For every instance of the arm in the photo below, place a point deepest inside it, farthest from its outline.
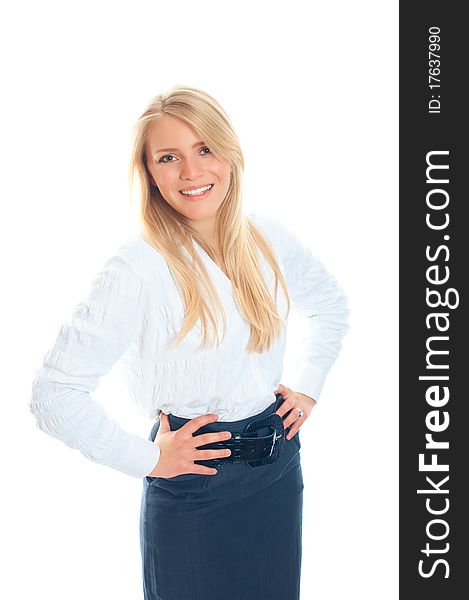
(88, 344)
(317, 296)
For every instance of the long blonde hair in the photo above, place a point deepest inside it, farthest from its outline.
(240, 241)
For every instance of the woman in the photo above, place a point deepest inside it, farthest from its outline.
(221, 511)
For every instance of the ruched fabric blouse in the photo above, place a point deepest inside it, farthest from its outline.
(134, 308)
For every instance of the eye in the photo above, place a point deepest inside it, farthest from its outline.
(162, 159)
(206, 148)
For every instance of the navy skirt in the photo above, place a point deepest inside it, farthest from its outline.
(235, 535)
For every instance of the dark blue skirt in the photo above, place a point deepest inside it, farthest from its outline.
(235, 535)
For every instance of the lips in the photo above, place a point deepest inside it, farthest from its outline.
(195, 187)
(204, 189)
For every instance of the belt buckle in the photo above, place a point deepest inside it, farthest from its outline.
(275, 423)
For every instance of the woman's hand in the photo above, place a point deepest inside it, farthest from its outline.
(178, 449)
(294, 400)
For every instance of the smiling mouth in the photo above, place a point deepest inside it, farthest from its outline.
(200, 191)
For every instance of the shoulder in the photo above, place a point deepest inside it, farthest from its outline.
(268, 225)
(281, 237)
(135, 255)
(264, 221)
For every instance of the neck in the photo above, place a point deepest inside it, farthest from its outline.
(207, 231)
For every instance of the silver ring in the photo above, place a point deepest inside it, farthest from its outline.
(300, 412)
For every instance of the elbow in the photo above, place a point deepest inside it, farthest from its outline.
(341, 309)
(50, 404)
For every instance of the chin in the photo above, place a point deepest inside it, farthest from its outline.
(198, 212)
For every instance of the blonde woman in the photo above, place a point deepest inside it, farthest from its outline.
(194, 309)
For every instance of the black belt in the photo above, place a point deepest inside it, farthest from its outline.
(249, 446)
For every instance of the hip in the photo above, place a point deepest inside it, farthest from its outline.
(232, 480)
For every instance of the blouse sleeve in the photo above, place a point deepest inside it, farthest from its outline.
(88, 344)
(320, 300)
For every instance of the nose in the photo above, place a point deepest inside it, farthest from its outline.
(191, 169)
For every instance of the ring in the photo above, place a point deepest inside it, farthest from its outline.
(300, 411)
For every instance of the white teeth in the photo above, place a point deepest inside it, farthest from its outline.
(197, 192)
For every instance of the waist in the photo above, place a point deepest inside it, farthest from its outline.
(234, 426)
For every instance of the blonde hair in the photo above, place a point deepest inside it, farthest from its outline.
(240, 241)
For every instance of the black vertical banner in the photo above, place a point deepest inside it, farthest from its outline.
(434, 268)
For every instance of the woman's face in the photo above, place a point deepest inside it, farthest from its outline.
(179, 161)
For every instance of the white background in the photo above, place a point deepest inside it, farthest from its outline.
(311, 88)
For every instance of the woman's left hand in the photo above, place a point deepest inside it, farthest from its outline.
(294, 400)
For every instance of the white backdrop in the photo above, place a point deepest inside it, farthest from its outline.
(311, 88)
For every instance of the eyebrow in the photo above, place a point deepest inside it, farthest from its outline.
(176, 149)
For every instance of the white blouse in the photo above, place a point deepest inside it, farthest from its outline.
(133, 310)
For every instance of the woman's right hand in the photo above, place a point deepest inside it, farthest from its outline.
(178, 449)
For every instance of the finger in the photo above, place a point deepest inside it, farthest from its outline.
(282, 389)
(202, 470)
(164, 423)
(286, 406)
(292, 418)
(210, 454)
(197, 422)
(211, 438)
(292, 432)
